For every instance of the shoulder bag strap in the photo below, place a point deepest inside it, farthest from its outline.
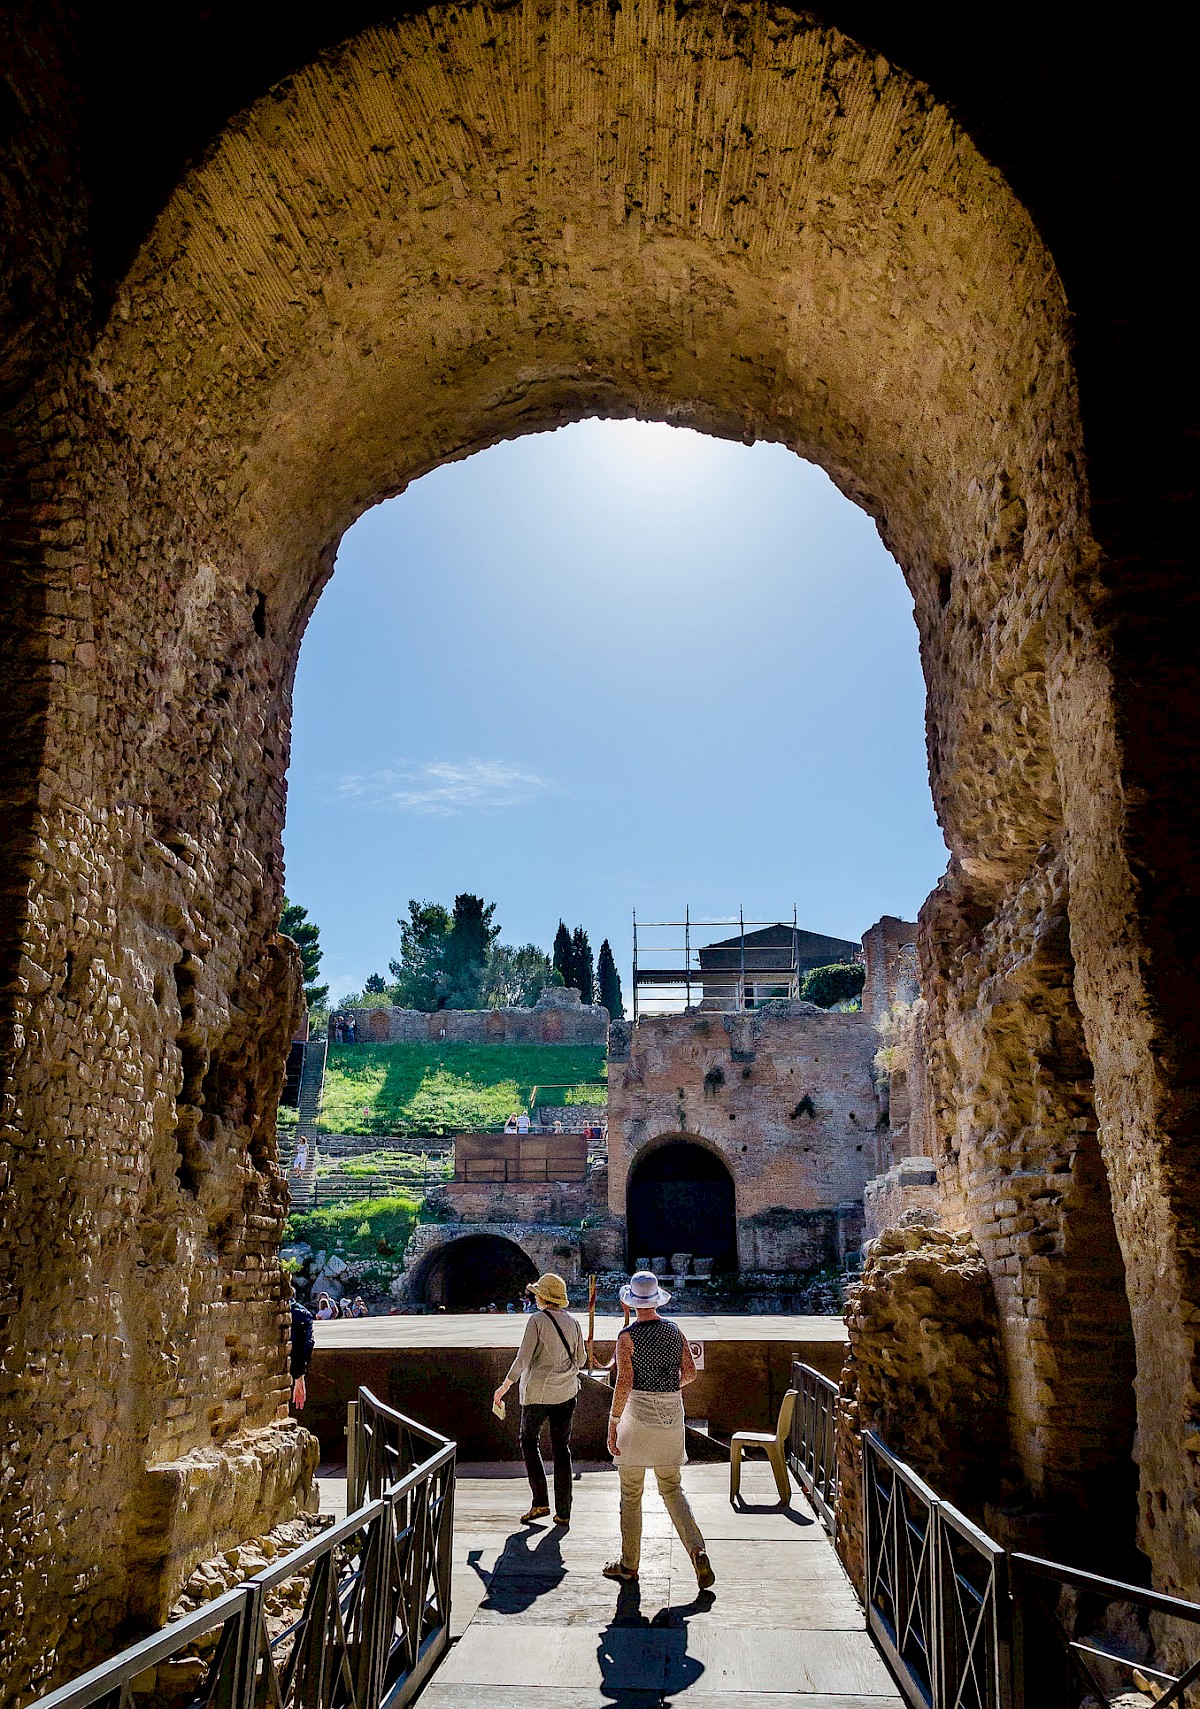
(558, 1331)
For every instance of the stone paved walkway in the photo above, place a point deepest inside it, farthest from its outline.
(537, 1627)
(505, 1329)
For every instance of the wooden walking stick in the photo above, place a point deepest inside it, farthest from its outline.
(591, 1335)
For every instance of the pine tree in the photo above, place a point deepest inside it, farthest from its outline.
(563, 955)
(609, 981)
(294, 923)
(418, 973)
(581, 956)
(468, 946)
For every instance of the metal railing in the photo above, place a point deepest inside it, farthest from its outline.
(812, 1451)
(965, 1625)
(1099, 1652)
(373, 1594)
(937, 1590)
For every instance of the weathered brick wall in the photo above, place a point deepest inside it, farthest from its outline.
(557, 1202)
(354, 286)
(909, 1185)
(890, 958)
(1019, 1164)
(783, 1095)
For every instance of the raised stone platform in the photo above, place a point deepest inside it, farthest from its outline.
(444, 1369)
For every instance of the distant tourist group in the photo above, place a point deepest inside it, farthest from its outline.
(646, 1421)
(343, 1029)
(327, 1308)
(520, 1123)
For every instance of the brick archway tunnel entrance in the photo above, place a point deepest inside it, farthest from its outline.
(453, 228)
(473, 1272)
(681, 1199)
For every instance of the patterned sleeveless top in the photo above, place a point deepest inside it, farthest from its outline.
(657, 1349)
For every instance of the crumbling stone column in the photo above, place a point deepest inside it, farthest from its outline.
(1127, 711)
(1020, 1164)
(924, 1370)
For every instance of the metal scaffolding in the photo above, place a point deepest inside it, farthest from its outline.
(753, 967)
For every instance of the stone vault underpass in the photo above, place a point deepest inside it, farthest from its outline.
(264, 273)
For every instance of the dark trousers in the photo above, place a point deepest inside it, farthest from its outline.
(532, 1419)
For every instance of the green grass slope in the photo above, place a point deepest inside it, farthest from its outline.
(437, 1089)
(364, 1228)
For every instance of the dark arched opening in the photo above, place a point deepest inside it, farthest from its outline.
(681, 1200)
(478, 1270)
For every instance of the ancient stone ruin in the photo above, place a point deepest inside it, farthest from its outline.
(558, 1017)
(260, 278)
(769, 1111)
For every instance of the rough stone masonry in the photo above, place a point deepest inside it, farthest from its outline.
(260, 278)
(783, 1095)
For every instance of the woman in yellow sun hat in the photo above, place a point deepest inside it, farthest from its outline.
(547, 1368)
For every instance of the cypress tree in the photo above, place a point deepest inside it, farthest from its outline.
(581, 956)
(563, 956)
(609, 981)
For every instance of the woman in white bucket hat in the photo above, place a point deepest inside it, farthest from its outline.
(645, 1425)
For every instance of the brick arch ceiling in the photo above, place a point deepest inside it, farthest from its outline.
(479, 223)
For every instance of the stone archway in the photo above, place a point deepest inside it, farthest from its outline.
(472, 1271)
(681, 1198)
(463, 226)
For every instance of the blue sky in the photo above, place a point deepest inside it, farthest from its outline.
(618, 666)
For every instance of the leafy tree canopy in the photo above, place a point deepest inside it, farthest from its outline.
(609, 981)
(516, 978)
(294, 923)
(453, 960)
(443, 955)
(840, 982)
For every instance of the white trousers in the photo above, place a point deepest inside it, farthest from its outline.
(670, 1487)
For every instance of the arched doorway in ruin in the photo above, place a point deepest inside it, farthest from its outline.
(681, 1199)
(463, 226)
(474, 1271)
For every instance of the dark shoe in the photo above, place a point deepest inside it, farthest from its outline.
(563, 1524)
(618, 1570)
(704, 1573)
(534, 1513)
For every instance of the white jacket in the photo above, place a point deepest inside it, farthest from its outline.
(548, 1374)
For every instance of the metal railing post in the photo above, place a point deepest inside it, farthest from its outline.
(353, 1455)
(251, 1640)
(1017, 1644)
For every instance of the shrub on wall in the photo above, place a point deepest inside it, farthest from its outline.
(358, 1227)
(840, 982)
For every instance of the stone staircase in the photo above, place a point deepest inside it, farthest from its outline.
(312, 1086)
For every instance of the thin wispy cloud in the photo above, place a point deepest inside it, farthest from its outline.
(446, 787)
